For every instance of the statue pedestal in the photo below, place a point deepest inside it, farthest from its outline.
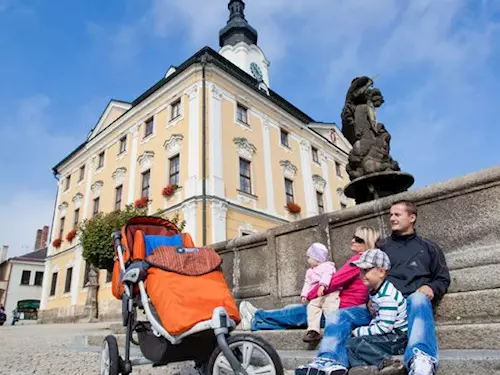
(378, 185)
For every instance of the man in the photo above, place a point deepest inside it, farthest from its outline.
(420, 272)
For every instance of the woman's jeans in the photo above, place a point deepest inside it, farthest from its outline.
(421, 330)
(289, 317)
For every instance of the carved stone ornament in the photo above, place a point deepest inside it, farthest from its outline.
(289, 170)
(220, 210)
(266, 122)
(145, 160)
(62, 208)
(77, 200)
(319, 183)
(342, 196)
(119, 176)
(216, 92)
(192, 92)
(55, 268)
(305, 146)
(173, 144)
(96, 188)
(244, 148)
(244, 198)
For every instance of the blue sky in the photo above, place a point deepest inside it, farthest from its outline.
(438, 65)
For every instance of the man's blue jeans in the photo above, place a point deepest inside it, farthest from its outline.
(288, 317)
(421, 330)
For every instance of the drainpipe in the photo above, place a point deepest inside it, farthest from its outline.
(204, 59)
(56, 176)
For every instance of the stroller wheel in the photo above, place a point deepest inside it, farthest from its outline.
(110, 358)
(255, 355)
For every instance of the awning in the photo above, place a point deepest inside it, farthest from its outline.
(28, 304)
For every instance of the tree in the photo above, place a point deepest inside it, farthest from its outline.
(95, 233)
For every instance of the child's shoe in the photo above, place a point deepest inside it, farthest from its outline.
(311, 336)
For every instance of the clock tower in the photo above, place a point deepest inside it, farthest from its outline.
(238, 42)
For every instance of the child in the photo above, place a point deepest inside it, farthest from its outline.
(373, 345)
(320, 272)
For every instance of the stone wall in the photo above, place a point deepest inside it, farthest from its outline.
(462, 215)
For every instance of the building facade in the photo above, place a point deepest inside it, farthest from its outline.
(238, 152)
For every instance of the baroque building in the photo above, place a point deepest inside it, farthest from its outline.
(237, 150)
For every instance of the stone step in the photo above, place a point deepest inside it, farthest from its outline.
(452, 362)
(465, 336)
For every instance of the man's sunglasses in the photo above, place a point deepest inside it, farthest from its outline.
(358, 239)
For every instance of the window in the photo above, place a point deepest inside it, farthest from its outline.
(241, 114)
(338, 169)
(76, 218)
(25, 278)
(145, 183)
(174, 170)
(284, 138)
(319, 199)
(109, 276)
(148, 128)
(314, 152)
(245, 182)
(118, 197)
(38, 278)
(95, 210)
(86, 274)
(123, 145)
(289, 190)
(343, 205)
(67, 283)
(82, 173)
(61, 227)
(101, 160)
(175, 109)
(68, 182)
(53, 284)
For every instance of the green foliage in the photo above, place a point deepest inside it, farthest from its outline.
(95, 233)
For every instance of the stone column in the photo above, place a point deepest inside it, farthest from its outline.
(134, 131)
(193, 143)
(219, 221)
(271, 209)
(310, 194)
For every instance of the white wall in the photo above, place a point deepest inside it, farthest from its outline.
(16, 291)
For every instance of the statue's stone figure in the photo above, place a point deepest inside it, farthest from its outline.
(91, 308)
(371, 141)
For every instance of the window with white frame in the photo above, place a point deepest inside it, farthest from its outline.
(82, 173)
(61, 227)
(67, 282)
(67, 183)
(101, 160)
(175, 109)
(76, 218)
(25, 277)
(148, 128)
(146, 177)
(118, 197)
(284, 138)
(53, 284)
(38, 278)
(174, 170)
(319, 200)
(289, 191)
(314, 152)
(242, 114)
(338, 169)
(95, 209)
(123, 145)
(245, 176)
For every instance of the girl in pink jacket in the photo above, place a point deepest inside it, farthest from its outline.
(319, 274)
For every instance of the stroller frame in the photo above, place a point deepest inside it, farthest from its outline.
(134, 276)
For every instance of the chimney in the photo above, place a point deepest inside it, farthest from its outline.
(3, 254)
(45, 237)
(38, 239)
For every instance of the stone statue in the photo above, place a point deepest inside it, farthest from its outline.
(371, 141)
(90, 309)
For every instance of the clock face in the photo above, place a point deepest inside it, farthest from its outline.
(256, 72)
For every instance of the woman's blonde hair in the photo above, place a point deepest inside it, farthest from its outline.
(369, 234)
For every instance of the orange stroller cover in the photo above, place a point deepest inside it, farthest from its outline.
(186, 285)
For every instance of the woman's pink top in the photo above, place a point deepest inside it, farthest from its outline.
(347, 280)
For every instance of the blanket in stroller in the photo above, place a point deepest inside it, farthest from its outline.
(185, 285)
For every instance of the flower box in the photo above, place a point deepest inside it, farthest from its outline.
(169, 190)
(141, 202)
(293, 208)
(57, 243)
(71, 235)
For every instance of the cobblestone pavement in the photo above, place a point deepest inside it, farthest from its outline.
(50, 349)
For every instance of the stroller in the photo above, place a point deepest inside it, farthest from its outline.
(189, 308)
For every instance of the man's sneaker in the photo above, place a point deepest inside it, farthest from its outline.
(364, 370)
(247, 312)
(321, 366)
(422, 363)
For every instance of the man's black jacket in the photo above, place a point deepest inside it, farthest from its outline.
(416, 262)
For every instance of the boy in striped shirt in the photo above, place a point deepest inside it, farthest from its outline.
(372, 346)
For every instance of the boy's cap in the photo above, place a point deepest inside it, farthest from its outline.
(373, 258)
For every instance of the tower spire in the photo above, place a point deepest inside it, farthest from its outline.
(237, 28)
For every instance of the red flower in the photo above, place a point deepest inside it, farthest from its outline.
(71, 235)
(169, 190)
(57, 243)
(293, 208)
(141, 202)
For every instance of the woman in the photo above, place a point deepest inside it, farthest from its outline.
(346, 280)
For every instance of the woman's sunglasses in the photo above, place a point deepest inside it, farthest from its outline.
(358, 239)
